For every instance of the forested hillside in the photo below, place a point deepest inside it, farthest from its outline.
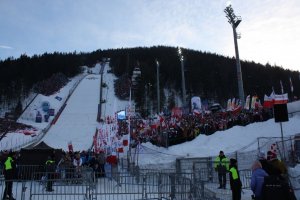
(210, 76)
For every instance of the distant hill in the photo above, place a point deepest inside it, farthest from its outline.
(212, 77)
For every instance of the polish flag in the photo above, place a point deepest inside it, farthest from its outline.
(268, 101)
(280, 98)
(196, 112)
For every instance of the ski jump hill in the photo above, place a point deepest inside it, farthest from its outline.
(78, 118)
(77, 124)
(75, 118)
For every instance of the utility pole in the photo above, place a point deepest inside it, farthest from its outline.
(157, 88)
(182, 77)
(235, 21)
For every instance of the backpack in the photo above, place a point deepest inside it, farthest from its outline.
(275, 187)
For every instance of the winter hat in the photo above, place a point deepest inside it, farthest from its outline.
(261, 155)
(233, 161)
(221, 152)
(271, 155)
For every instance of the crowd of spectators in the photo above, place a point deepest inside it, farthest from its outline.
(171, 130)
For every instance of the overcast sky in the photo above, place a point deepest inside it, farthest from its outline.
(270, 30)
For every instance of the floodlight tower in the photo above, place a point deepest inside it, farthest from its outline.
(182, 77)
(235, 21)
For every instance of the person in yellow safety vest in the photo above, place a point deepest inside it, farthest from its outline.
(221, 166)
(235, 181)
(9, 170)
(50, 170)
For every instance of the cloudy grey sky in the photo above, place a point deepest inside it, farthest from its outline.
(270, 29)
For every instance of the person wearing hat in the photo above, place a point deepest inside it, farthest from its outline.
(266, 165)
(235, 182)
(279, 167)
(9, 170)
(221, 166)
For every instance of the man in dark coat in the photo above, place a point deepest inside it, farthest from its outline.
(266, 165)
(50, 170)
(235, 181)
(9, 170)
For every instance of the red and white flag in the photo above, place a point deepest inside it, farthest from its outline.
(280, 98)
(196, 112)
(268, 101)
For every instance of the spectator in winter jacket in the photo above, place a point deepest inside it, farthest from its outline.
(266, 165)
(277, 164)
(257, 179)
(77, 163)
(65, 166)
(221, 166)
(235, 182)
(50, 169)
(9, 171)
(113, 161)
(102, 161)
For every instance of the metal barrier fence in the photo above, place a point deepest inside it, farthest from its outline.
(115, 185)
(192, 178)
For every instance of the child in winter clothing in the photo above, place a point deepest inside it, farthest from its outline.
(257, 179)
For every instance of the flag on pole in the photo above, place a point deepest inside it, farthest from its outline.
(228, 105)
(253, 100)
(129, 117)
(247, 104)
(232, 103)
(280, 98)
(268, 101)
(281, 86)
(291, 84)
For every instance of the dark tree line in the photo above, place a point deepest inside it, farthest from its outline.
(210, 76)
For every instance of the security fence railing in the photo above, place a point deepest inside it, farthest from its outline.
(114, 185)
(190, 178)
(200, 183)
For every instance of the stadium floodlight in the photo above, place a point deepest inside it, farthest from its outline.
(182, 77)
(228, 3)
(235, 21)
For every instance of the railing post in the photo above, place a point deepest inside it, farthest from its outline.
(173, 187)
(144, 188)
